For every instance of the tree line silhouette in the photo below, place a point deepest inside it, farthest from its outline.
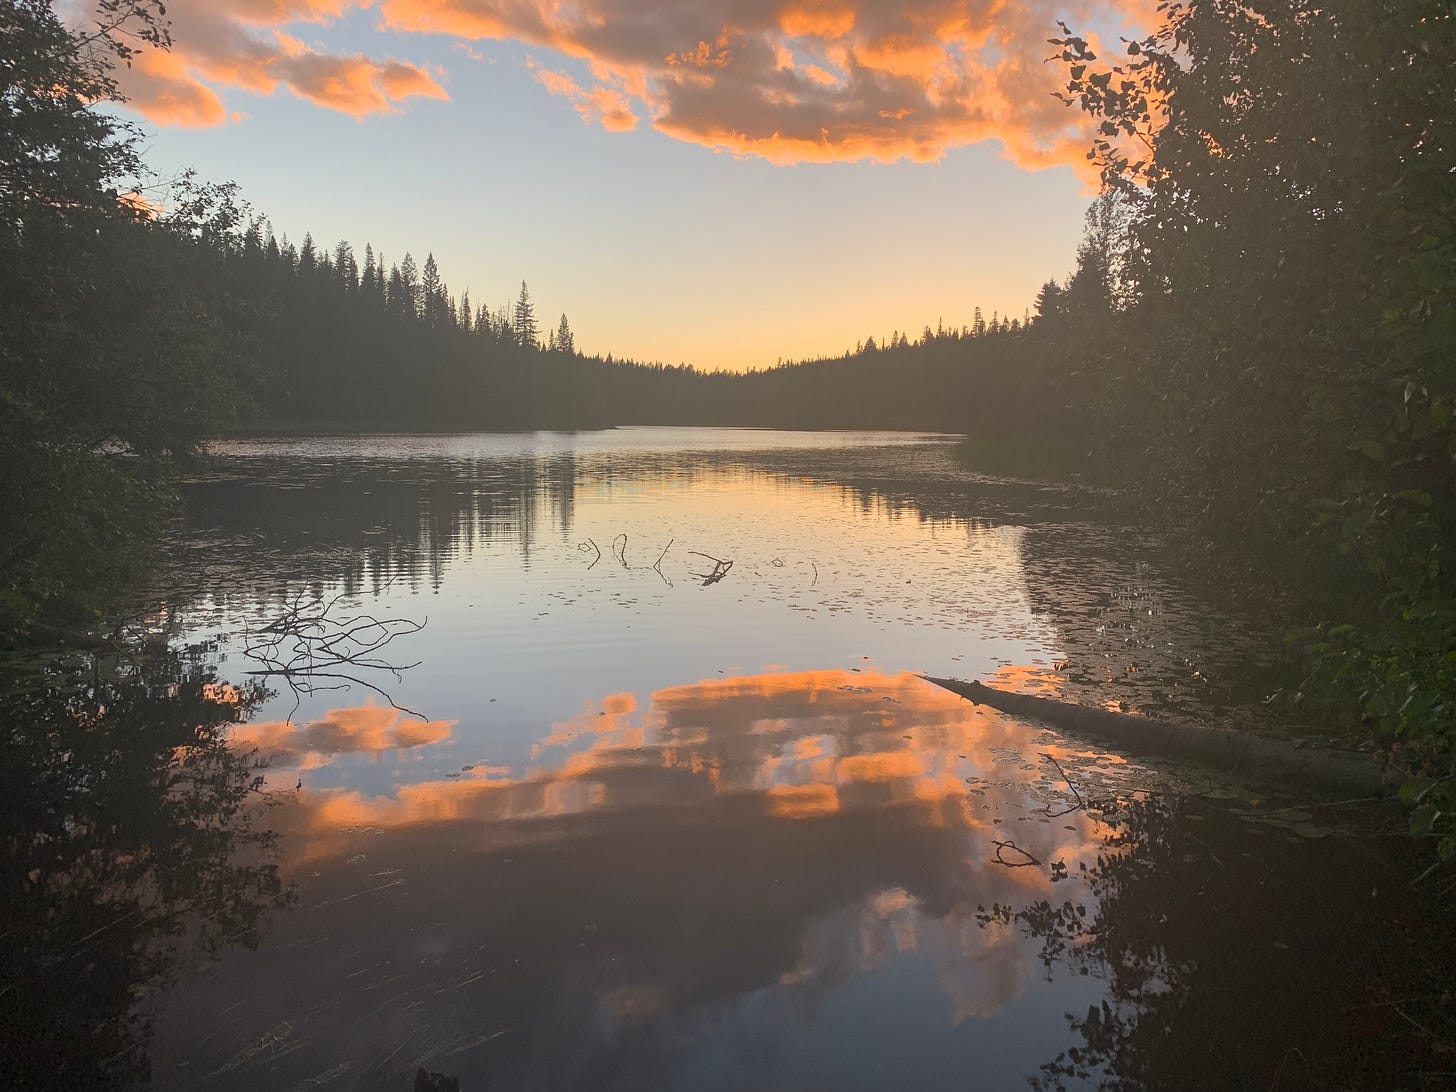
(317, 337)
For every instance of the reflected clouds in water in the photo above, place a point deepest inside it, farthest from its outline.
(732, 860)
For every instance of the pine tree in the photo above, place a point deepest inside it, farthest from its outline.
(523, 321)
(346, 269)
(432, 293)
(370, 271)
(253, 239)
(409, 279)
(565, 339)
(307, 256)
(1051, 300)
(394, 292)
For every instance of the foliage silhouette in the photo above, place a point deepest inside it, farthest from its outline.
(1218, 975)
(133, 845)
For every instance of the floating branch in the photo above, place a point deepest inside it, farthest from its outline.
(816, 574)
(306, 644)
(620, 554)
(590, 545)
(1014, 848)
(1080, 802)
(720, 568)
(657, 565)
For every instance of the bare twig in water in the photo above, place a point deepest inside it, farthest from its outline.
(657, 565)
(306, 644)
(582, 546)
(620, 554)
(1080, 802)
(816, 574)
(1000, 846)
(1279, 1073)
(1433, 866)
(720, 568)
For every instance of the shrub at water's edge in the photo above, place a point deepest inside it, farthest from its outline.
(1275, 376)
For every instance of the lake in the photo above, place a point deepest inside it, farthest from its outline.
(627, 779)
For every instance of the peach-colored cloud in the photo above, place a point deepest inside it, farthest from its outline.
(605, 105)
(242, 44)
(363, 728)
(792, 81)
(816, 19)
(808, 80)
(821, 75)
(160, 85)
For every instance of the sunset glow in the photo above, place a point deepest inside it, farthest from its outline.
(590, 130)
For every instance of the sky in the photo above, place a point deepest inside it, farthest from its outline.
(725, 183)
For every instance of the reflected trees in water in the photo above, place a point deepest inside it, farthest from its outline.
(1220, 975)
(134, 844)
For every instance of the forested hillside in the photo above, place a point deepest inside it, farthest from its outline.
(320, 337)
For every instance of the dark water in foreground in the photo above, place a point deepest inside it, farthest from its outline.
(651, 829)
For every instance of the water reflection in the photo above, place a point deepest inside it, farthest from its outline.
(1240, 956)
(367, 729)
(739, 861)
(135, 843)
(582, 871)
(826, 523)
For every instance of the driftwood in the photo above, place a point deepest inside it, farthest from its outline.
(311, 650)
(1227, 748)
(720, 569)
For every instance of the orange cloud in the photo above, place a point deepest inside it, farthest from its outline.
(817, 19)
(799, 81)
(241, 44)
(918, 77)
(160, 85)
(821, 75)
(363, 728)
(609, 107)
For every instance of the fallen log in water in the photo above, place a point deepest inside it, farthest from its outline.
(1227, 748)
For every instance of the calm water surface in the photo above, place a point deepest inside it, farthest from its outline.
(645, 829)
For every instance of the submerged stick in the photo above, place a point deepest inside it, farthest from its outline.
(1000, 846)
(657, 565)
(720, 568)
(582, 547)
(1065, 811)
